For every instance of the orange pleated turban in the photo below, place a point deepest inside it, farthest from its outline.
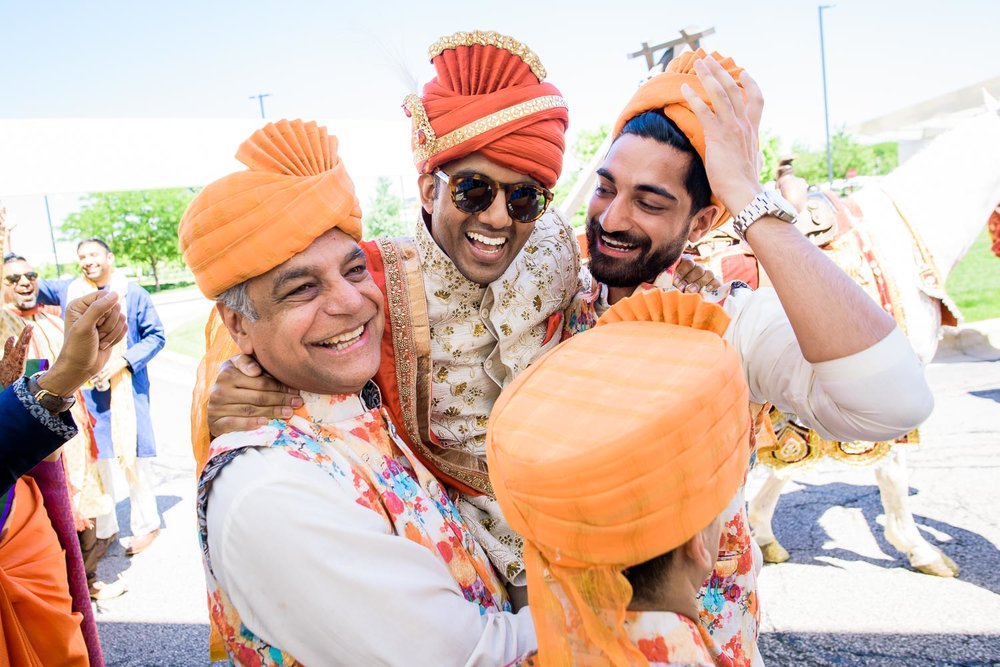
(489, 97)
(618, 446)
(663, 92)
(245, 224)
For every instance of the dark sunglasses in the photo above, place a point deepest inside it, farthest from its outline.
(474, 193)
(15, 278)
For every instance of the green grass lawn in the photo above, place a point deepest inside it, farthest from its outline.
(188, 339)
(975, 283)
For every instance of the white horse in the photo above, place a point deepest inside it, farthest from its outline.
(940, 199)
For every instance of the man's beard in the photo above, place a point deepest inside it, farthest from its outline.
(25, 303)
(619, 272)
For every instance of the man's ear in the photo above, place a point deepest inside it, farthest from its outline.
(111, 258)
(236, 324)
(702, 222)
(426, 183)
(696, 550)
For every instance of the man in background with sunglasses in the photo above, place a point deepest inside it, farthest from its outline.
(88, 498)
(118, 396)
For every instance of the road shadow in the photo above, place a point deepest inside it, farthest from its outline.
(155, 644)
(882, 650)
(990, 394)
(115, 563)
(796, 525)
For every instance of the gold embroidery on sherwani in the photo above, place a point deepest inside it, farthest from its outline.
(481, 338)
(410, 338)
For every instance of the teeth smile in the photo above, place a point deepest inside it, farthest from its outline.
(617, 245)
(343, 340)
(486, 240)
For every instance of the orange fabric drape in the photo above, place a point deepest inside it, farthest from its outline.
(39, 627)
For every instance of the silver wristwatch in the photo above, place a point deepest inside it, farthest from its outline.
(765, 203)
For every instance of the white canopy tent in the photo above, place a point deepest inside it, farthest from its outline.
(65, 158)
(913, 126)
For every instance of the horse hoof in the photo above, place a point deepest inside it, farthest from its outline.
(773, 552)
(941, 567)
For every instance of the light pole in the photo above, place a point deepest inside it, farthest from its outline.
(826, 107)
(260, 98)
(52, 236)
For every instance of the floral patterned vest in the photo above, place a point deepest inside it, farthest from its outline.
(359, 449)
(664, 638)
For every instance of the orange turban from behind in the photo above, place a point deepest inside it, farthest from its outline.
(618, 446)
(488, 97)
(245, 224)
(663, 92)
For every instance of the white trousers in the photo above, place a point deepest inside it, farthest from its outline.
(142, 498)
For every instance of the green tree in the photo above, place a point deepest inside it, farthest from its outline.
(139, 225)
(846, 153)
(585, 146)
(770, 147)
(384, 214)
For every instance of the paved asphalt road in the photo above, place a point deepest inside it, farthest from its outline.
(845, 597)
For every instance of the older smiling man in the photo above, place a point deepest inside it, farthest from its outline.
(326, 541)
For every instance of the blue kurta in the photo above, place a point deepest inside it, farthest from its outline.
(145, 339)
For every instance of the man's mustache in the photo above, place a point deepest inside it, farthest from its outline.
(594, 228)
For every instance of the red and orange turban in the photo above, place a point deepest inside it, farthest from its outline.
(616, 447)
(245, 224)
(663, 92)
(489, 97)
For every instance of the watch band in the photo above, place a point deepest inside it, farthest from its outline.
(45, 398)
(766, 203)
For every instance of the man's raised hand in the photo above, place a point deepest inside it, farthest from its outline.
(731, 125)
(94, 324)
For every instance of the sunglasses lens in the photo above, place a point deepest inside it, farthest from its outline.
(15, 278)
(526, 203)
(472, 194)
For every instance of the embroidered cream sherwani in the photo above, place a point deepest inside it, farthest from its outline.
(481, 338)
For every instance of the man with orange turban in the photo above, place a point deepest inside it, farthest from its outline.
(325, 539)
(683, 160)
(622, 511)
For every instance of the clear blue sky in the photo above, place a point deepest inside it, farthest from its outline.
(344, 59)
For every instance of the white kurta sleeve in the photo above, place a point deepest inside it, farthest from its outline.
(316, 574)
(876, 394)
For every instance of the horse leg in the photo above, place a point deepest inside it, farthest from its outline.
(760, 512)
(900, 529)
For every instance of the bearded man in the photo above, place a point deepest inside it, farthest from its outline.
(684, 156)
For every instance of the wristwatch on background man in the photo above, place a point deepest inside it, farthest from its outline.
(45, 398)
(765, 203)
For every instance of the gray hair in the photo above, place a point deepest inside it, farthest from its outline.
(238, 300)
